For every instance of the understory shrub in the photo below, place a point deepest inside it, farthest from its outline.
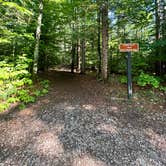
(146, 79)
(16, 84)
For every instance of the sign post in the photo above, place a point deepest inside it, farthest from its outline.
(129, 77)
(128, 48)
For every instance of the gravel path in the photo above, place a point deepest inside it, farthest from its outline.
(76, 125)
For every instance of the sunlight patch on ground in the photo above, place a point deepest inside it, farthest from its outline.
(26, 112)
(87, 161)
(35, 126)
(108, 128)
(20, 129)
(89, 107)
(45, 101)
(114, 108)
(15, 133)
(58, 128)
(48, 144)
(155, 139)
(69, 108)
(62, 69)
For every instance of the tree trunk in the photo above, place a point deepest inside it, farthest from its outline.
(160, 66)
(157, 24)
(73, 51)
(13, 52)
(105, 40)
(73, 57)
(78, 56)
(83, 56)
(83, 45)
(98, 41)
(38, 33)
(46, 62)
(163, 35)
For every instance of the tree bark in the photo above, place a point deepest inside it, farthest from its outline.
(83, 56)
(157, 26)
(160, 65)
(78, 56)
(98, 41)
(163, 35)
(73, 57)
(73, 50)
(105, 40)
(38, 33)
(83, 45)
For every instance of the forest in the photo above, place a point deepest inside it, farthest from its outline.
(82, 36)
(70, 95)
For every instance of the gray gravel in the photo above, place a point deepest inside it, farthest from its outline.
(62, 129)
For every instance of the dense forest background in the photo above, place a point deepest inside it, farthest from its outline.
(81, 35)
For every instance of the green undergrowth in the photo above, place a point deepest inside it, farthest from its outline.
(146, 80)
(17, 86)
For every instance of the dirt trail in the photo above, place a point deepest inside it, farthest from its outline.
(77, 124)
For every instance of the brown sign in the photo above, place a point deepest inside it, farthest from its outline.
(129, 47)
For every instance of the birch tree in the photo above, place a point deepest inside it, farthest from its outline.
(38, 33)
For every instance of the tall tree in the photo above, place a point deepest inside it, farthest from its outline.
(74, 43)
(99, 39)
(73, 53)
(83, 46)
(104, 12)
(38, 33)
(160, 36)
(78, 56)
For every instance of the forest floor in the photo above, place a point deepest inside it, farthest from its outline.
(83, 122)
